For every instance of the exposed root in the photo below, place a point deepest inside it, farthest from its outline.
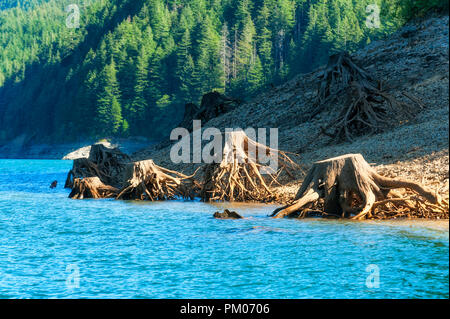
(110, 160)
(367, 107)
(91, 187)
(349, 187)
(239, 177)
(337, 76)
(148, 181)
(105, 163)
(409, 206)
(82, 168)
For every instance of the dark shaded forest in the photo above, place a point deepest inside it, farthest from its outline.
(130, 66)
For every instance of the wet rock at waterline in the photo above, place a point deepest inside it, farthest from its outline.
(227, 215)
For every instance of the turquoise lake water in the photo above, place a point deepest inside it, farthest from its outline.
(55, 247)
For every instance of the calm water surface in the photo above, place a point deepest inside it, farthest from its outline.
(177, 250)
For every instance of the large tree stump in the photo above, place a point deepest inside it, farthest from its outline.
(212, 105)
(190, 113)
(366, 106)
(350, 187)
(91, 187)
(238, 177)
(148, 181)
(103, 162)
(82, 168)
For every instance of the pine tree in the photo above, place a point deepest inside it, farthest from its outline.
(264, 42)
(109, 114)
(208, 57)
(139, 102)
(255, 78)
(185, 67)
(225, 55)
(245, 48)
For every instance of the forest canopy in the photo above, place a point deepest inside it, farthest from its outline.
(130, 66)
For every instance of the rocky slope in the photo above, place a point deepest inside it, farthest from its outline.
(414, 60)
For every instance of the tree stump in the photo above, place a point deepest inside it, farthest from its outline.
(91, 187)
(350, 187)
(190, 112)
(103, 162)
(212, 105)
(238, 176)
(148, 181)
(367, 107)
(82, 168)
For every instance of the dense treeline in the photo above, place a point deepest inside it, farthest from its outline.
(7, 4)
(132, 65)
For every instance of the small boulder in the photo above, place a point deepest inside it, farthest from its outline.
(227, 215)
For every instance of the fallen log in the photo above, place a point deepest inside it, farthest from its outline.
(349, 187)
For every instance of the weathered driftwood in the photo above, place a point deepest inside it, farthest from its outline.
(238, 177)
(366, 108)
(350, 187)
(148, 181)
(91, 187)
(105, 163)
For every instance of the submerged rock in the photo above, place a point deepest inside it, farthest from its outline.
(227, 215)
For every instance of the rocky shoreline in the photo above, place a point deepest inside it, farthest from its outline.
(416, 63)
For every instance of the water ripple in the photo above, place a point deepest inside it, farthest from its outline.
(129, 249)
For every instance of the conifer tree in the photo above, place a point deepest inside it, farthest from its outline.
(109, 113)
(255, 77)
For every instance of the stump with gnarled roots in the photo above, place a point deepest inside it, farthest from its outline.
(148, 181)
(82, 168)
(238, 177)
(103, 162)
(367, 107)
(350, 187)
(111, 160)
(91, 187)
